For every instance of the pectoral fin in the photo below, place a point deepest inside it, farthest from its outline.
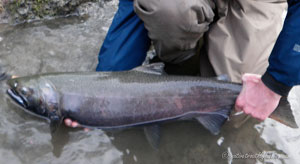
(153, 135)
(55, 122)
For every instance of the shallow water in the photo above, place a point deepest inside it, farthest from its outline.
(72, 44)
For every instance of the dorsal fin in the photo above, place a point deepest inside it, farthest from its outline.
(155, 68)
(223, 77)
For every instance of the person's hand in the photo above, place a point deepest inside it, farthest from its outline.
(73, 124)
(256, 99)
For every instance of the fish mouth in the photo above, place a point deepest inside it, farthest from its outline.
(18, 98)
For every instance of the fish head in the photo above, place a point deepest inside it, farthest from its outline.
(25, 93)
(37, 96)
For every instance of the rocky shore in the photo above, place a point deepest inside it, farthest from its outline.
(18, 11)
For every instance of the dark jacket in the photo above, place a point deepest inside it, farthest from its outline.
(284, 62)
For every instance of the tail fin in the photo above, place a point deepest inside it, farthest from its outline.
(284, 114)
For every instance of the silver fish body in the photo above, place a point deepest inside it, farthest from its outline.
(143, 96)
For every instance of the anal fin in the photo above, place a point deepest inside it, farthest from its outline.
(212, 122)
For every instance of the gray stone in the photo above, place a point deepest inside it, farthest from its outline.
(23, 10)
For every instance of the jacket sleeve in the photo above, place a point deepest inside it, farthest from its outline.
(126, 43)
(284, 62)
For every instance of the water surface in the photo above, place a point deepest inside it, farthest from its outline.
(72, 44)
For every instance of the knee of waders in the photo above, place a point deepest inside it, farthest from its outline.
(175, 19)
(175, 16)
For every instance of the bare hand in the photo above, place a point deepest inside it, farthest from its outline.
(73, 124)
(256, 99)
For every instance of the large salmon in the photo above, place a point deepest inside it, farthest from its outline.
(143, 96)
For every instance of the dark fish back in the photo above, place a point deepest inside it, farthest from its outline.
(133, 98)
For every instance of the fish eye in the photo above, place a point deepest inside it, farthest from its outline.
(24, 91)
(15, 84)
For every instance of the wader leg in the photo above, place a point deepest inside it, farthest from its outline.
(241, 39)
(126, 42)
(175, 27)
